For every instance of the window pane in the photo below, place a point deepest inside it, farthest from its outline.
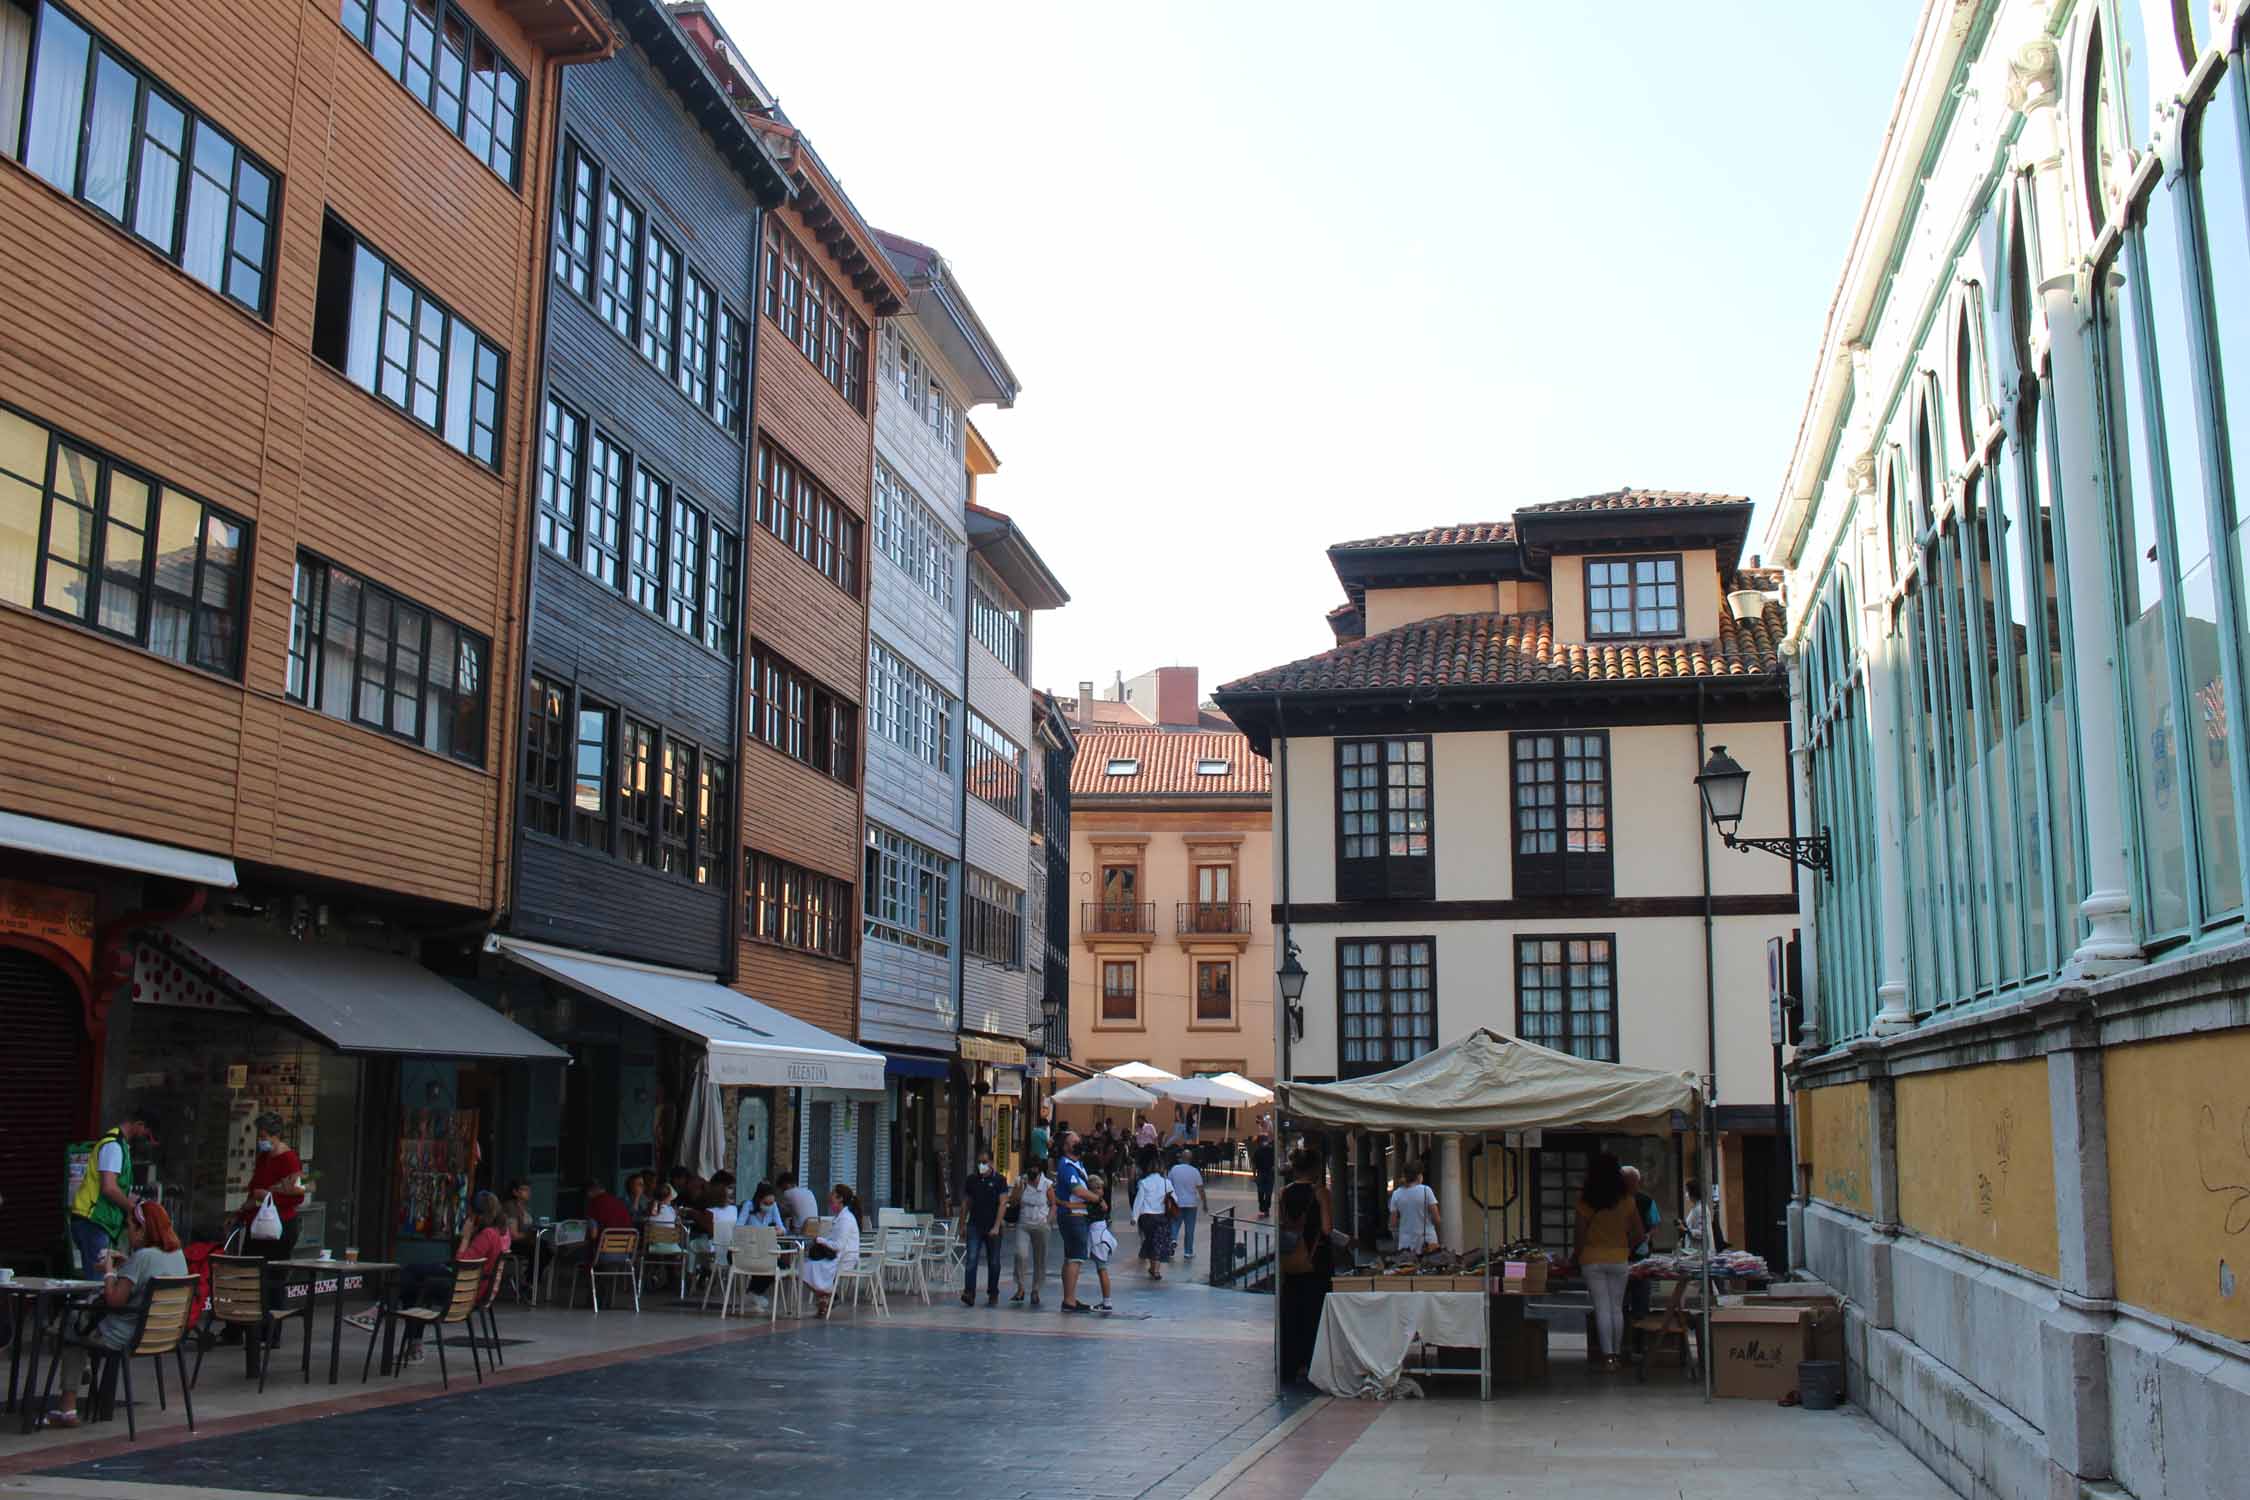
(58, 99)
(124, 554)
(362, 353)
(109, 135)
(163, 145)
(460, 366)
(203, 249)
(339, 655)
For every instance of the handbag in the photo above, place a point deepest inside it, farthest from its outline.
(1296, 1257)
(266, 1223)
(817, 1251)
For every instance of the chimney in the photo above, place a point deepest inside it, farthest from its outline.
(1086, 705)
(1178, 704)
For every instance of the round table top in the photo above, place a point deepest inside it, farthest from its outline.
(38, 1284)
(324, 1263)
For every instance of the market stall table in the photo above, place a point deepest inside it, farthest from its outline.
(1365, 1336)
(36, 1296)
(339, 1272)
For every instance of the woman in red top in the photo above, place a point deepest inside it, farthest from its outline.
(278, 1175)
(483, 1237)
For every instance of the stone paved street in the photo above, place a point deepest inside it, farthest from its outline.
(1168, 1399)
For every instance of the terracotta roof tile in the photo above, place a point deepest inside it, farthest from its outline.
(1630, 499)
(1497, 651)
(1166, 762)
(1764, 580)
(1467, 534)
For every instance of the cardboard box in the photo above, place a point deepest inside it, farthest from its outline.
(1353, 1284)
(1524, 1277)
(1824, 1319)
(1756, 1351)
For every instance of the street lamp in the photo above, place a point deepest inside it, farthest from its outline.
(1292, 976)
(1050, 1018)
(1725, 785)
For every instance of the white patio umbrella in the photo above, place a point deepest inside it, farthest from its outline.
(1258, 1091)
(1105, 1092)
(1139, 1072)
(1207, 1091)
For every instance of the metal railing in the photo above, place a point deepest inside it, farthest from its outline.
(1118, 916)
(1230, 918)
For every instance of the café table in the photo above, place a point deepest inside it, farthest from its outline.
(339, 1273)
(34, 1298)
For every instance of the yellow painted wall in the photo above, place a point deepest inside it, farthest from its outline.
(1976, 1162)
(1833, 1137)
(1700, 602)
(2179, 1177)
(1389, 608)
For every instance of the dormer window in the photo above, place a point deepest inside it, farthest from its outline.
(1124, 765)
(1213, 767)
(1633, 596)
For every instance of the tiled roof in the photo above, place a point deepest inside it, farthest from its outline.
(1498, 651)
(1166, 764)
(1467, 534)
(1630, 499)
(1113, 713)
(1764, 580)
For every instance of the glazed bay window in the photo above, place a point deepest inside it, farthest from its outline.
(683, 569)
(546, 726)
(1633, 596)
(800, 718)
(1561, 813)
(575, 214)
(1383, 820)
(997, 625)
(394, 340)
(730, 371)
(910, 534)
(810, 520)
(87, 538)
(660, 304)
(1386, 1001)
(792, 907)
(1566, 994)
(814, 315)
(907, 708)
(364, 654)
(433, 48)
(1214, 992)
(619, 297)
(591, 742)
(1121, 992)
(908, 891)
(991, 919)
(99, 128)
(714, 820)
(994, 766)
(697, 308)
(636, 777)
(1839, 764)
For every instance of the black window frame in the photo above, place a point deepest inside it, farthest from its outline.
(978, 750)
(1564, 1037)
(999, 628)
(1633, 587)
(991, 928)
(635, 789)
(793, 712)
(1393, 1054)
(344, 251)
(900, 872)
(808, 518)
(1386, 876)
(698, 323)
(786, 905)
(578, 218)
(127, 216)
(562, 476)
(663, 278)
(311, 597)
(617, 285)
(464, 126)
(546, 751)
(583, 827)
(148, 588)
(1560, 871)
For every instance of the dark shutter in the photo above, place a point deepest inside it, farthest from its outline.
(39, 1087)
(1559, 798)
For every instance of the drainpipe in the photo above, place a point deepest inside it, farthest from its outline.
(1708, 1125)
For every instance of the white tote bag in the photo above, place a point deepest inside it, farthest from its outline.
(267, 1224)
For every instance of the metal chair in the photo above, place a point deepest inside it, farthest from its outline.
(716, 1255)
(460, 1309)
(162, 1314)
(616, 1256)
(664, 1248)
(486, 1309)
(902, 1259)
(238, 1298)
(864, 1274)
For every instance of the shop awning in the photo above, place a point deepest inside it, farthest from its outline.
(361, 1000)
(913, 1065)
(751, 1043)
(999, 1051)
(93, 847)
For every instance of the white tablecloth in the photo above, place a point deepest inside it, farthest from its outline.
(1364, 1336)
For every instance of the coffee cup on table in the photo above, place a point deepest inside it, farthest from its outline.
(6, 1275)
(351, 1254)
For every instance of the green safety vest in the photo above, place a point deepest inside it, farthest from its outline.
(88, 1202)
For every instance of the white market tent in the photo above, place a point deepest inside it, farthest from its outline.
(1488, 1082)
(1106, 1090)
(1139, 1072)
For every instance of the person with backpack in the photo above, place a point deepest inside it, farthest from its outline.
(104, 1200)
(1305, 1260)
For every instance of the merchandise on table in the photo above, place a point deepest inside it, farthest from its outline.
(1727, 1265)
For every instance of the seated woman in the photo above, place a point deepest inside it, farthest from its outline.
(154, 1251)
(431, 1283)
(638, 1201)
(763, 1208)
(835, 1252)
(665, 1209)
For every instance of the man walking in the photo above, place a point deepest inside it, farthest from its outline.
(1071, 1197)
(1187, 1191)
(103, 1201)
(980, 1220)
(1261, 1169)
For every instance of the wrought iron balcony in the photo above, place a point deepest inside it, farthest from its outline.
(1212, 919)
(1118, 919)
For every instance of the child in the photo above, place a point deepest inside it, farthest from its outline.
(667, 1209)
(1100, 1242)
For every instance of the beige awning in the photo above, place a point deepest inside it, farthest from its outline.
(1489, 1081)
(995, 1050)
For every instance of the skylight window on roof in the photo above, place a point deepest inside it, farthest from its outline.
(1210, 767)
(1124, 765)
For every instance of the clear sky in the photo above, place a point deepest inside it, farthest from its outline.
(1276, 275)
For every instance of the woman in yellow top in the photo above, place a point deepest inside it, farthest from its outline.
(1609, 1230)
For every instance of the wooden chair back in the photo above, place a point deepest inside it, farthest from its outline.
(168, 1309)
(653, 1235)
(467, 1276)
(617, 1243)
(238, 1288)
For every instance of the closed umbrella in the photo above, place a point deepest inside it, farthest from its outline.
(703, 1144)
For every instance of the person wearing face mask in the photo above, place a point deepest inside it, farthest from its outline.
(279, 1175)
(980, 1224)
